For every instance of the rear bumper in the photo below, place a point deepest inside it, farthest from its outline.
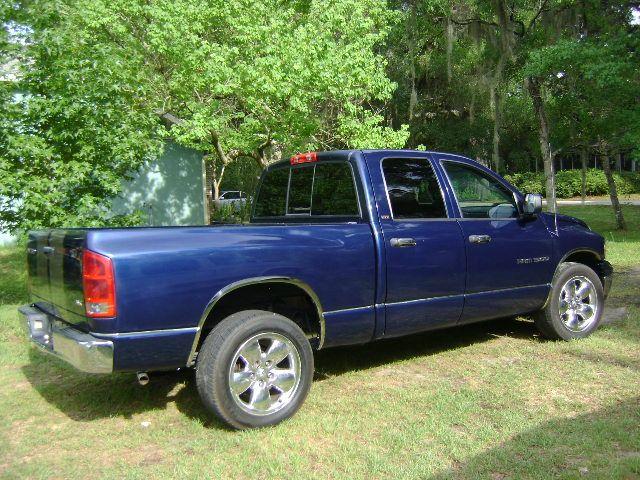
(82, 350)
(605, 272)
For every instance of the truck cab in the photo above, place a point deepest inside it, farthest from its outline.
(343, 247)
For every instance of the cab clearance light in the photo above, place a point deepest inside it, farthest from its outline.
(304, 158)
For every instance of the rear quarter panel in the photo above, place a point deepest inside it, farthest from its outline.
(165, 277)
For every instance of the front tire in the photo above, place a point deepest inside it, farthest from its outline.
(575, 305)
(254, 369)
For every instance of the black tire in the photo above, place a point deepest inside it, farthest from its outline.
(214, 368)
(551, 323)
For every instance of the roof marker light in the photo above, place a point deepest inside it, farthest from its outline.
(304, 158)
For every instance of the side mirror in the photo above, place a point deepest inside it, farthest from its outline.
(532, 204)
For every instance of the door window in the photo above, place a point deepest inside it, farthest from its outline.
(413, 189)
(480, 195)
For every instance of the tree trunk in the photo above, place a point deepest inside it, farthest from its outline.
(449, 33)
(472, 108)
(208, 189)
(584, 157)
(613, 192)
(413, 98)
(533, 85)
(495, 113)
(216, 178)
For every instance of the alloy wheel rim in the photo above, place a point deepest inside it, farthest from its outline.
(578, 305)
(264, 374)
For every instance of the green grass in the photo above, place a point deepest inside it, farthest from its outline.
(486, 401)
(623, 247)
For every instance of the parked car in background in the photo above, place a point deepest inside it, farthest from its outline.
(232, 198)
(343, 248)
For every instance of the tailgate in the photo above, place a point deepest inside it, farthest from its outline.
(55, 272)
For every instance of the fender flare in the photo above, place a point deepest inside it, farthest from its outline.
(255, 281)
(562, 260)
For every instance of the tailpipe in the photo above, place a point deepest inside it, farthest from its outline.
(143, 378)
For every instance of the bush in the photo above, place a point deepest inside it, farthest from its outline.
(231, 213)
(569, 182)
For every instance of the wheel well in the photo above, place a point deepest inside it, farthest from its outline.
(286, 299)
(589, 259)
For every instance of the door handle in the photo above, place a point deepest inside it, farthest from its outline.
(479, 238)
(403, 242)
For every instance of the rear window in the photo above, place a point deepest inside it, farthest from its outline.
(272, 198)
(319, 190)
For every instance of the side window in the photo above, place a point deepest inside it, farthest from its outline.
(272, 197)
(413, 189)
(480, 195)
(334, 192)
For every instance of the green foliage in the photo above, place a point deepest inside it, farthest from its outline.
(251, 79)
(569, 182)
(593, 84)
(72, 126)
(13, 275)
(227, 213)
(235, 80)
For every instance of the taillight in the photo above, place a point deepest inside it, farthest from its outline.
(99, 285)
(304, 158)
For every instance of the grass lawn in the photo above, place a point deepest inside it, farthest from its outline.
(622, 197)
(486, 401)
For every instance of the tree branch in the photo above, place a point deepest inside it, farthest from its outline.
(538, 13)
(168, 118)
(219, 150)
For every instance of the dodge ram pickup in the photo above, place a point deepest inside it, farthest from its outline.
(343, 247)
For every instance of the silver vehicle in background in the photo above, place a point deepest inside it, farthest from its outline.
(232, 198)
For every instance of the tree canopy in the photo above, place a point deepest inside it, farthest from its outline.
(99, 86)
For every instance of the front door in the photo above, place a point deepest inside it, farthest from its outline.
(424, 250)
(508, 257)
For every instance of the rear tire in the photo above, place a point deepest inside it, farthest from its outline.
(575, 304)
(254, 369)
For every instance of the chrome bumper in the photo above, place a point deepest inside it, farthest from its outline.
(85, 352)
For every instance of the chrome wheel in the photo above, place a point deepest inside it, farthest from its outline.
(264, 374)
(578, 306)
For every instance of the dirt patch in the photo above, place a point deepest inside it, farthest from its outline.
(624, 293)
(614, 314)
(146, 455)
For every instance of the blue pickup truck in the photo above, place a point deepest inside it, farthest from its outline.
(343, 247)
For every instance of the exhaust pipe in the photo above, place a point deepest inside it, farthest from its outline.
(143, 378)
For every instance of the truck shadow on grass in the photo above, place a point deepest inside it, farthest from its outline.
(89, 397)
(332, 362)
(600, 443)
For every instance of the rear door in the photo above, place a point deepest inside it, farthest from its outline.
(425, 264)
(508, 258)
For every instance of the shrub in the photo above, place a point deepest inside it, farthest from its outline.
(569, 182)
(228, 213)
